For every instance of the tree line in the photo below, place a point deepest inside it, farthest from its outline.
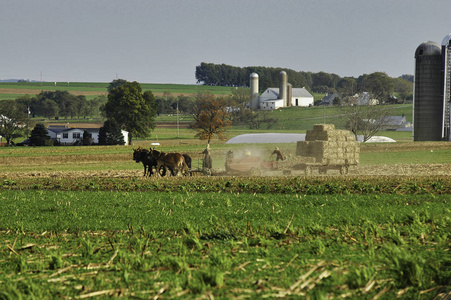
(377, 83)
(62, 104)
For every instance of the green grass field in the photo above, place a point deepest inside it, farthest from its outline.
(227, 245)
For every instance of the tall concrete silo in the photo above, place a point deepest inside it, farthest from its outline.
(254, 90)
(428, 99)
(446, 68)
(289, 94)
(283, 87)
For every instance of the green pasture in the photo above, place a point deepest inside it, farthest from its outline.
(407, 157)
(223, 245)
(37, 211)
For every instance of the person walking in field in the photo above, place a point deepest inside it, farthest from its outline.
(207, 162)
(278, 153)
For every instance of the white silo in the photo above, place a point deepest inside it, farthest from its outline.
(289, 94)
(254, 90)
(283, 87)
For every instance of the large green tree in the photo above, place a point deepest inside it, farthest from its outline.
(132, 109)
(110, 133)
(13, 120)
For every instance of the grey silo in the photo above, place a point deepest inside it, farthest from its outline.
(446, 63)
(428, 99)
(254, 90)
(283, 87)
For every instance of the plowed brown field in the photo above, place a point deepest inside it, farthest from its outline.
(407, 170)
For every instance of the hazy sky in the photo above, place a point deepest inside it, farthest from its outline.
(163, 41)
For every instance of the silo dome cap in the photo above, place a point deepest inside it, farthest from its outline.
(254, 75)
(446, 39)
(428, 49)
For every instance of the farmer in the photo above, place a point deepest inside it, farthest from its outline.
(207, 163)
(278, 153)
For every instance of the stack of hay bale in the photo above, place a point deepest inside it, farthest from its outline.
(329, 146)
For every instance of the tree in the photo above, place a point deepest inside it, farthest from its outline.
(56, 104)
(403, 87)
(110, 133)
(131, 109)
(13, 120)
(211, 118)
(239, 96)
(365, 120)
(115, 84)
(39, 136)
(95, 104)
(378, 84)
(87, 138)
(347, 86)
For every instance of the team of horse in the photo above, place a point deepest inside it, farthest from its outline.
(162, 162)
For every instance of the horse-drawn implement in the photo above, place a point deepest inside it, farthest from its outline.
(250, 165)
(324, 149)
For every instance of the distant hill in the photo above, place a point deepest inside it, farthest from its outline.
(17, 80)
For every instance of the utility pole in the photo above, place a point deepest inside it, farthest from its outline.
(177, 119)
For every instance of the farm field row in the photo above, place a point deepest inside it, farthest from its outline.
(428, 158)
(14, 90)
(223, 245)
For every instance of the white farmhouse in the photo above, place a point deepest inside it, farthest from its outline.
(72, 136)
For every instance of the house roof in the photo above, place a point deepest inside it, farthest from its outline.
(63, 129)
(270, 94)
(395, 120)
(300, 92)
(273, 93)
(363, 98)
(330, 97)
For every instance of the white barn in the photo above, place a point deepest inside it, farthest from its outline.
(270, 99)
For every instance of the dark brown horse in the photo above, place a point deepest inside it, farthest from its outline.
(187, 160)
(175, 162)
(139, 155)
(143, 156)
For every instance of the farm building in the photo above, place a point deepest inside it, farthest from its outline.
(331, 99)
(398, 123)
(70, 136)
(269, 99)
(365, 99)
(283, 96)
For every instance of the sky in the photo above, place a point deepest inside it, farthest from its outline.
(163, 41)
